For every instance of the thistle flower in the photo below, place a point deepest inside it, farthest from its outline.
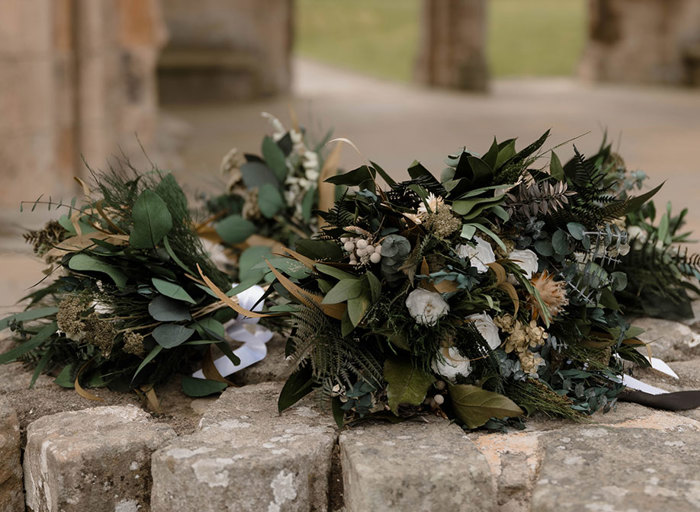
(552, 293)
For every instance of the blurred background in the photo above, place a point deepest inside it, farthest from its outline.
(180, 83)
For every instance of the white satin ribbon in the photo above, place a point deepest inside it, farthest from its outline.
(246, 330)
(636, 384)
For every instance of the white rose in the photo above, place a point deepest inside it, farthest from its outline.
(526, 260)
(487, 328)
(479, 255)
(451, 364)
(426, 307)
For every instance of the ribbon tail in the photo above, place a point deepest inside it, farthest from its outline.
(676, 401)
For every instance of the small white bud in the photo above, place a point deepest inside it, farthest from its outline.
(439, 399)
(343, 239)
(349, 246)
(361, 244)
(369, 249)
(440, 385)
(375, 257)
(378, 248)
(360, 252)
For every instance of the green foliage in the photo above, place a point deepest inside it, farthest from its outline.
(475, 406)
(406, 384)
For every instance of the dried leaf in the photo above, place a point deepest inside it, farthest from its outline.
(79, 389)
(229, 301)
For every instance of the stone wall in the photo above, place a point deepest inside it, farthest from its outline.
(77, 78)
(226, 49)
(643, 41)
(452, 50)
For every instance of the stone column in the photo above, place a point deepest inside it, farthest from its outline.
(226, 49)
(453, 45)
(642, 41)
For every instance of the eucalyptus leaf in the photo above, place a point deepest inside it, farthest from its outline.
(475, 406)
(86, 263)
(257, 174)
(270, 200)
(196, 388)
(172, 290)
(171, 335)
(406, 383)
(234, 229)
(164, 309)
(152, 220)
(576, 230)
(274, 158)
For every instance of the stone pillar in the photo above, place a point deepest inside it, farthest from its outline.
(642, 41)
(452, 49)
(226, 50)
(77, 78)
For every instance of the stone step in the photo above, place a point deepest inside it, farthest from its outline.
(247, 457)
(96, 459)
(11, 495)
(420, 466)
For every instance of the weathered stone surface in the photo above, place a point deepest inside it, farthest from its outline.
(642, 465)
(247, 457)
(421, 466)
(11, 495)
(641, 41)
(274, 368)
(670, 341)
(96, 459)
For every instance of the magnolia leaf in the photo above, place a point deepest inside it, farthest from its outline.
(375, 285)
(172, 290)
(334, 272)
(346, 289)
(298, 385)
(357, 307)
(475, 406)
(164, 309)
(274, 158)
(406, 383)
(234, 229)
(201, 387)
(320, 249)
(171, 335)
(270, 200)
(152, 221)
(85, 263)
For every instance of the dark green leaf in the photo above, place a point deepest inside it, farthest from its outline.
(298, 385)
(406, 383)
(544, 247)
(152, 220)
(171, 335)
(334, 272)
(357, 307)
(36, 341)
(31, 314)
(475, 406)
(212, 327)
(560, 242)
(66, 378)
(320, 249)
(151, 355)
(345, 289)
(226, 349)
(257, 174)
(556, 169)
(234, 229)
(576, 230)
(338, 412)
(201, 387)
(307, 204)
(274, 158)
(85, 263)
(172, 290)
(270, 200)
(164, 309)
(375, 286)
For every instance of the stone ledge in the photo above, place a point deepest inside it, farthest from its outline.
(11, 495)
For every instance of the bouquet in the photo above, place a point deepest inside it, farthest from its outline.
(496, 291)
(125, 310)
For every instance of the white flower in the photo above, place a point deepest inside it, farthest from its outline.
(277, 126)
(426, 307)
(452, 364)
(434, 202)
(479, 255)
(487, 328)
(526, 260)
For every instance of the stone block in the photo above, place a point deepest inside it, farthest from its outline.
(95, 459)
(669, 340)
(417, 466)
(247, 457)
(11, 495)
(274, 368)
(645, 464)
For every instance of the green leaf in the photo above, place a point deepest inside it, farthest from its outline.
(375, 285)
(307, 204)
(298, 385)
(172, 290)
(151, 355)
(320, 249)
(85, 263)
(385, 175)
(468, 231)
(226, 349)
(270, 200)
(30, 314)
(662, 230)
(257, 174)
(356, 177)
(576, 230)
(636, 203)
(556, 169)
(544, 247)
(251, 257)
(201, 387)
(65, 378)
(178, 261)
(357, 307)
(171, 335)
(274, 158)
(465, 206)
(346, 289)
(406, 383)
(234, 229)
(152, 221)
(164, 309)
(505, 153)
(560, 242)
(338, 412)
(36, 341)
(169, 190)
(212, 327)
(475, 406)
(490, 234)
(334, 272)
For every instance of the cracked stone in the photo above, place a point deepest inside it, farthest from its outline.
(247, 457)
(97, 459)
(11, 495)
(417, 466)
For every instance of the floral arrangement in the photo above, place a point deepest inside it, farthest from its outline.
(495, 291)
(125, 309)
(270, 199)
